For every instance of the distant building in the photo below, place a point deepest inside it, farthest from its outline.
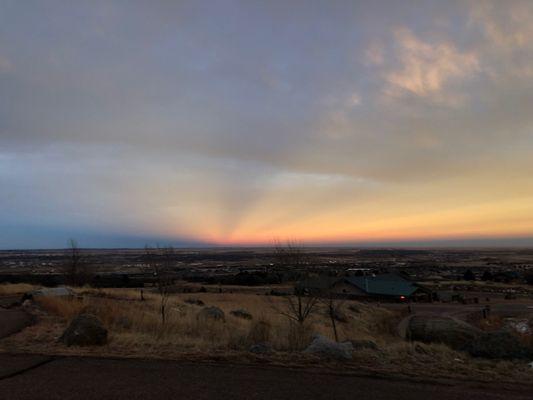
(392, 287)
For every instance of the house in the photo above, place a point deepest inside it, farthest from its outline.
(391, 286)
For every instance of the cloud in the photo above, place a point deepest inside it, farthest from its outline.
(374, 54)
(506, 24)
(5, 64)
(354, 100)
(426, 69)
(508, 31)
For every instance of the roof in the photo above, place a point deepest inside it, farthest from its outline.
(386, 284)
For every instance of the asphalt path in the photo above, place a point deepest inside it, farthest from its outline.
(506, 309)
(93, 378)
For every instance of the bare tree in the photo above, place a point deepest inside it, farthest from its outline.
(289, 254)
(75, 270)
(298, 309)
(160, 261)
(333, 305)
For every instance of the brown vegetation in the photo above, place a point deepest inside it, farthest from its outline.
(136, 330)
(131, 320)
(8, 289)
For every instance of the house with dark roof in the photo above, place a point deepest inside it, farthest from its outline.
(387, 286)
(383, 287)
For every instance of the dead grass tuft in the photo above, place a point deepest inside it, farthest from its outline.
(260, 331)
(8, 289)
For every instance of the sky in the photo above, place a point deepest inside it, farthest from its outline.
(243, 122)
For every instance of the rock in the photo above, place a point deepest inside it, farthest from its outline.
(52, 292)
(340, 316)
(531, 364)
(11, 302)
(261, 348)
(327, 348)
(241, 313)
(429, 329)
(355, 309)
(194, 301)
(498, 345)
(84, 330)
(260, 331)
(124, 322)
(213, 313)
(14, 320)
(363, 344)
(520, 326)
(181, 309)
(420, 349)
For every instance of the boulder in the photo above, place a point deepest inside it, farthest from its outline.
(363, 344)
(261, 348)
(13, 321)
(51, 292)
(241, 313)
(338, 316)
(213, 313)
(421, 349)
(521, 326)
(498, 345)
(194, 301)
(354, 308)
(84, 330)
(11, 301)
(123, 322)
(260, 331)
(429, 329)
(326, 348)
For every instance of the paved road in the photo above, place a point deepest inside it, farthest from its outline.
(88, 378)
(508, 309)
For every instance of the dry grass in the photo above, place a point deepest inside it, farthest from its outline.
(135, 329)
(489, 324)
(131, 320)
(8, 289)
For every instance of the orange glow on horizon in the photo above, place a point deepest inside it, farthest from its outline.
(499, 219)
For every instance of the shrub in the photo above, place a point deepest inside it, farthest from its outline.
(260, 331)
(299, 335)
